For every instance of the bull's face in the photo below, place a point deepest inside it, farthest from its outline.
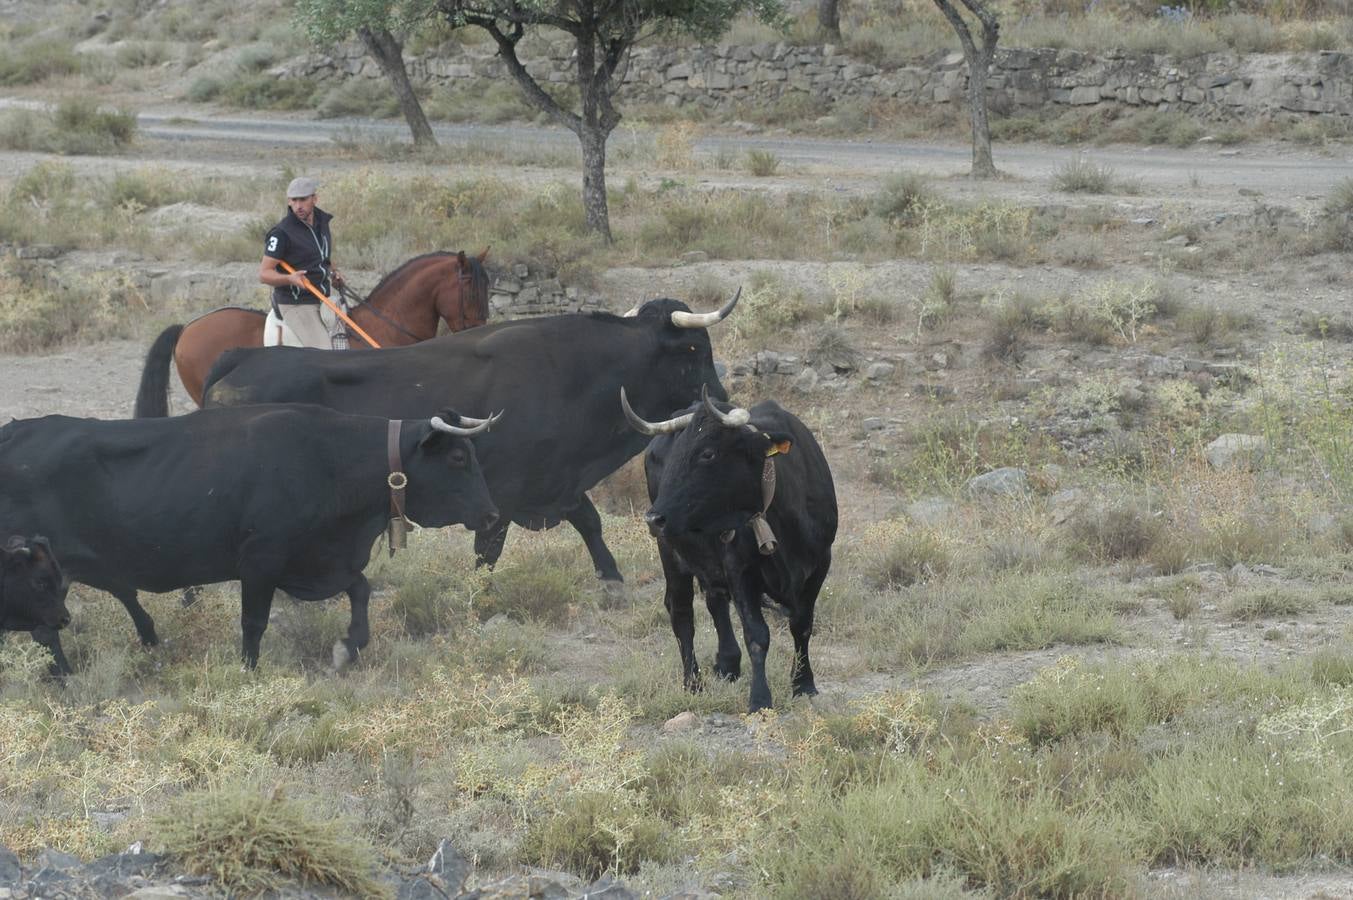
(711, 472)
(32, 586)
(683, 366)
(457, 494)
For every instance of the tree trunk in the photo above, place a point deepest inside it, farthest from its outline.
(979, 64)
(829, 18)
(389, 55)
(594, 181)
(982, 164)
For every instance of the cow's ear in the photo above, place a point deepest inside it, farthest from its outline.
(779, 444)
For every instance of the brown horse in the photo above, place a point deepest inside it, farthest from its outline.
(403, 309)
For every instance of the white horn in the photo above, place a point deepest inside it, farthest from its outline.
(670, 426)
(437, 423)
(471, 420)
(704, 320)
(734, 418)
(633, 311)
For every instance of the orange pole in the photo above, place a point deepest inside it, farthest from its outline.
(329, 303)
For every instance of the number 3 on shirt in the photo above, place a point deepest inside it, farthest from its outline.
(272, 244)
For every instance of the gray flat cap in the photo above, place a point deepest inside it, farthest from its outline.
(302, 187)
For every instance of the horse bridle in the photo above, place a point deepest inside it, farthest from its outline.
(355, 300)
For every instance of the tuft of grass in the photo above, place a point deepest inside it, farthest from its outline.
(77, 126)
(1268, 602)
(893, 555)
(359, 97)
(251, 842)
(762, 163)
(37, 59)
(1081, 176)
(902, 198)
(1118, 531)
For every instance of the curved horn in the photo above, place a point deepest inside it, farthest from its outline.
(651, 428)
(437, 423)
(704, 320)
(735, 418)
(471, 420)
(633, 311)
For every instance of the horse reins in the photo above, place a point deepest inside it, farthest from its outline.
(355, 300)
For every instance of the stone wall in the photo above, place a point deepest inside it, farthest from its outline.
(1219, 85)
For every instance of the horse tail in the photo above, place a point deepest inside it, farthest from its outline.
(152, 398)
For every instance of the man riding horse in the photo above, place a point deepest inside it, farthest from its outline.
(302, 243)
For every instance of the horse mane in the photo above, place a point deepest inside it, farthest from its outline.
(404, 265)
(479, 276)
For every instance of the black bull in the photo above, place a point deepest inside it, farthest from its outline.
(289, 497)
(556, 378)
(707, 474)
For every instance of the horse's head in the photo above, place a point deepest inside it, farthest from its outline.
(463, 302)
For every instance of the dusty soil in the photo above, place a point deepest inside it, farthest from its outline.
(1223, 190)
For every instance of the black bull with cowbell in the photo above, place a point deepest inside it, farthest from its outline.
(555, 377)
(282, 496)
(743, 501)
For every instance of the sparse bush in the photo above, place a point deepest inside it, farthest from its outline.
(592, 834)
(422, 606)
(37, 314)
(203, 90)
(1080, 251)
(769, 306)
(251, 841)
(259, 90)
(1340, 199)
(894, 555)
(762, 163)
(676, 145)
(1208, 325)
(76, 127)
(902, 197)
(1268, 602)
(1116, 531)
(359, 97)
(1080, 176)
(37, 60)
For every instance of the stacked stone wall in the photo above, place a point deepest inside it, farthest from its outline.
(1217, 85)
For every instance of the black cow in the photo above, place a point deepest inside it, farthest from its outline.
(556, 377)
(33, 594)
(288, 496)
(706, 474)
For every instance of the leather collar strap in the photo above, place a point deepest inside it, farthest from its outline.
(765, 538)
(397, 481)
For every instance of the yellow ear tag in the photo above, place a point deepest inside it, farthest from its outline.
(782, 447)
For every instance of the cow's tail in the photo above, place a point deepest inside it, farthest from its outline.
(152, 398)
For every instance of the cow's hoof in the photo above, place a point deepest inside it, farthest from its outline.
(343, 657)
(190, 596)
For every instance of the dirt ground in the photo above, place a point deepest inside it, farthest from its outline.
(1223, 191)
